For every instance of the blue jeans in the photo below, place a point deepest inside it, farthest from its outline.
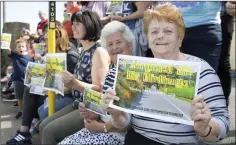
(61, 102)
(205, 42)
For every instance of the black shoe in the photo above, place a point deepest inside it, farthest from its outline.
(21, 138)
(18, 115)
(15, 105)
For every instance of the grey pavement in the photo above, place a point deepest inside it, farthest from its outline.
(166, 103)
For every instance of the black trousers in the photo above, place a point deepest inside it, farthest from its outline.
(31, 102)
(224, 69)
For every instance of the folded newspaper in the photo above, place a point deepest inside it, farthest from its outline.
(93, 101)
(36, 70)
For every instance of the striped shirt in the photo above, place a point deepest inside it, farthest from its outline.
(168, 132)
(108, 83)
(109, 79)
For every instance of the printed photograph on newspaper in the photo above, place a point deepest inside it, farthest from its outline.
(93, 101)
(38, 48)
(67, 16)
(115, 7)
(156, 88)
(34, 70)
(55, 64)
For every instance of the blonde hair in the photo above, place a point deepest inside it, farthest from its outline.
(166, 12)
(20, 41)
(61, 34)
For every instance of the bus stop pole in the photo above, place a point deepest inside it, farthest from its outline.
(51, 49)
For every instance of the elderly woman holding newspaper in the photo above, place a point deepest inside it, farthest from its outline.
(165, 30)
(117, 40)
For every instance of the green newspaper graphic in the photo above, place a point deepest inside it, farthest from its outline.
(38, 48)
(156, 88)
(55, 64)
(115, 7)
(93, 101)
(34, 70)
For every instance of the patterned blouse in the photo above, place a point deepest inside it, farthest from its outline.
(83, 68)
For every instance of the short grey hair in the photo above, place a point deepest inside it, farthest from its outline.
(113, 27)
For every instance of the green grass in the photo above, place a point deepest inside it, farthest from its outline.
(185, 93)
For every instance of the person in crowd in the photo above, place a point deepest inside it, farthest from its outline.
(71, 7)
(33, 38)
(6, 86)
(25, 33)
(72, 58)
(132, 16)
(9, 72)
(117, 40)
(20, 59)
(99, 7)
(206, 24)
(45, 29)
(43, 21)
(165, 29)
(224, 68)
(32, 102)
(90, 71)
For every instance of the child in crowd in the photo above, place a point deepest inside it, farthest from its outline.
(6, 86)
(20, 59)
(9, 72)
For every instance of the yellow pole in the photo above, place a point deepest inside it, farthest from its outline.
(51, 49)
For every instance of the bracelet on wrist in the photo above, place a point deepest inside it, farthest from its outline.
(209, 132)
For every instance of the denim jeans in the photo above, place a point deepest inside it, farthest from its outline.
(61, 102)
(224, 64)
(205, 42)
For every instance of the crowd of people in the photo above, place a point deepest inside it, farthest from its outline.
(92, 39)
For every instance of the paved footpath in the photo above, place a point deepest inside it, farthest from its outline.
(9, 125)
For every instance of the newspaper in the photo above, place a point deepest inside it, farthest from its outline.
(5, 41)
(34, 70)
(93, 101)
(156, 88)
(38, 48)
(55, 64)
(115, 7)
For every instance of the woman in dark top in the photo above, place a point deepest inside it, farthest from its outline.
(31, 102)
(90, 71)
(62, 46)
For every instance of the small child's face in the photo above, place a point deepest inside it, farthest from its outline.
(9, 70)
(21, 48)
